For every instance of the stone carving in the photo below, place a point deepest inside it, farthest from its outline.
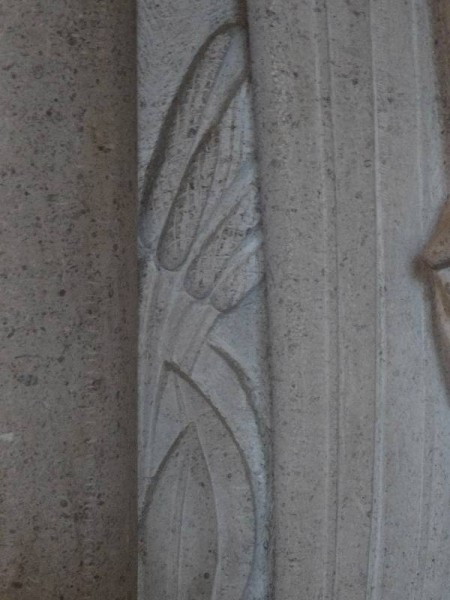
(352, 173)
(204, 402)
(437, 257)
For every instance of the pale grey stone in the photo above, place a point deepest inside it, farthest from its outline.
(67, 300)
(204, 465)
(352, 170)
(353, 178)
(294, 426)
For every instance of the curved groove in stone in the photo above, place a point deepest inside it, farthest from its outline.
(155, 207)
(242, 274)
(152, 484)
(229, 429)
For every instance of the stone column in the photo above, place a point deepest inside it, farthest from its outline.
(353, 178)
(68, 300)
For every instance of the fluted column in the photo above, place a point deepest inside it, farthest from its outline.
(68, 300)
(353, 178)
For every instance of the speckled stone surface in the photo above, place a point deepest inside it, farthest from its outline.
(351, 107)
(354, 173)
(68, 300)
(204, 401)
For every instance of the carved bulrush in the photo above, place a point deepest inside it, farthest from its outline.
(204, 462)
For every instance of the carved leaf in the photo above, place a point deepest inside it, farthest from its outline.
(441, 283)
(169, 420)
(437, 256)
(184, 217)
(179, 534)
(208, 183)
(242, 275)
(233, 490)
(437, 251)
(204, 95)
(230, 391)
(442, 287)
(205, 512)
(209, 264)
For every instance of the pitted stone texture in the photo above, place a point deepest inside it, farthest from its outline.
(353, 178)
(68, 300)
(205, 477)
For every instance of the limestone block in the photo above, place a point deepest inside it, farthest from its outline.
(67, 300)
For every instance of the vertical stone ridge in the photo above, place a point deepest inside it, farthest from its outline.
(402, 413)
(427, 456)
(375, 550)
(353, 127)
(295, 139)
(331, 284)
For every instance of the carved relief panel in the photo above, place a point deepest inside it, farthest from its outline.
(350, 166)
(204, 400)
